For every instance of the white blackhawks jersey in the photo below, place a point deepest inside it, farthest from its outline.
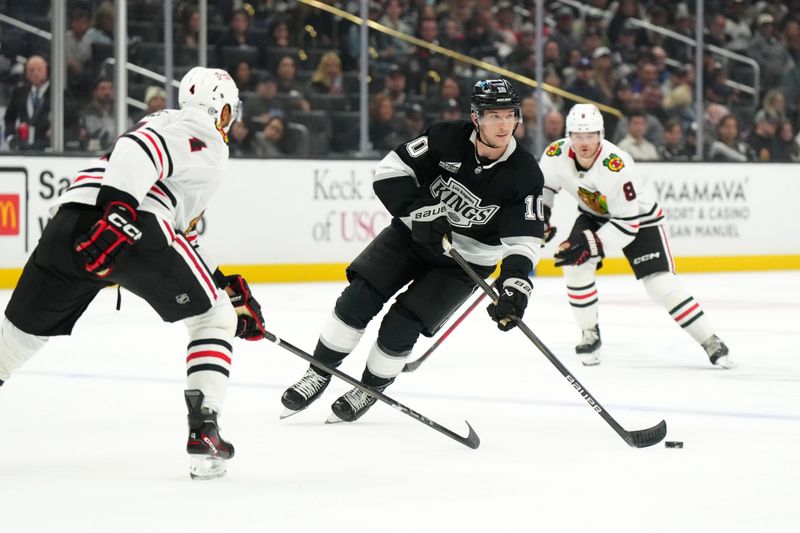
(172, 162)
(609, 190)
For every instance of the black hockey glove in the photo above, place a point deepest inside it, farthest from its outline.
(549, 231)
(114, 232)
(250, 324)
(514, 295)
(587, 246)
(429, 224)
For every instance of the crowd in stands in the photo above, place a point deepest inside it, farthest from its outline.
(297, 70)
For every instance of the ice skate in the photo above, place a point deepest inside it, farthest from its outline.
(353, 404)
(304, 392)
(209, 452)
(718, 353)
(589, 348)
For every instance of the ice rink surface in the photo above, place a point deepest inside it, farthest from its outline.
(93, 428)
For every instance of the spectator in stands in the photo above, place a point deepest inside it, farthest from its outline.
(762, 139)
(524, 48)
(391, 48)
(654, 131)
(728, 146)
(97, 125)
(791, 36)
(238, 37)
(553, 126)
(78, 49)
(27, 118)
(646, 73)
(583, 85)
(272, 141)
(634, 142)
(716, 33)
(673, 147)
(279, 35)
(395, 86)
(103, 30)
(625, 45)
(564, 32)
(551, 55)
(552, 101)
(190, 28)
(653, 99)
(787, 149)
(481, 41)
(769, 50)
(504, 24)
(452, 110)
(155, 98)
(603, 74)
(264, 104)
(413, 122)
(382, 133)
(240, 140)
(525, 134)
(420, 60)
(775, 103)
(327, 78)
(718, 91)
(286, 76)
(243, 76)
(452, 36)
(737, 26)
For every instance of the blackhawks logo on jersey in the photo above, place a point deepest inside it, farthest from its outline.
(554, 149)
(593, 200)
(614, 163)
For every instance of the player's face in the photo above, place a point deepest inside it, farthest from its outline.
(497, 125)
(585, 145)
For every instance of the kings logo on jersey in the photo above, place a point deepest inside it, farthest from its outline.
(613, 163)
(593, 200)
(463, 207)
(554, 149)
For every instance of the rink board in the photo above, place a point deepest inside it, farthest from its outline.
(304, 220)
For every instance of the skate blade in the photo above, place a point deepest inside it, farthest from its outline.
(289, 412)
(202, 467)
(725, 363)
(333, 419)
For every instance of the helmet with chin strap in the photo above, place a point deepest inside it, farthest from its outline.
(585, 118)
(210, 89)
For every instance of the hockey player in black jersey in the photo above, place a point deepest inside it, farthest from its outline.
(466, 181)
(129, 220)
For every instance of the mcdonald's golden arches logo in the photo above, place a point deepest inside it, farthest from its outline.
(9, 214)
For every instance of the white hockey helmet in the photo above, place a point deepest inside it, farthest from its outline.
(209, 89)
(585, 118)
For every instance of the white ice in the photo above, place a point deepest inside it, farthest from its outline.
(93, 427)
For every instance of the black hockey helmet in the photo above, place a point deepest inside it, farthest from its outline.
(493, 94)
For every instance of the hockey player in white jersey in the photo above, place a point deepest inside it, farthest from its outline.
(129, 219)
(613, 210)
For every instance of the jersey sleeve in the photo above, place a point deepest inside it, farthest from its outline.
(521, 225)
(138, 160)
(401, 175)
(623, 207)
(547, 164)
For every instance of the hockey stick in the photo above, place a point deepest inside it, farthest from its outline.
(471, 440)
(413, 365)
(638, 439)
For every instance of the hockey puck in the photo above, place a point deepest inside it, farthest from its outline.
(673, 443)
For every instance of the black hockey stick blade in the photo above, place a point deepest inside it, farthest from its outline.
(647, 437)
(471, 440)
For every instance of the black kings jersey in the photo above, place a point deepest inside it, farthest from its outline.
(495, 208)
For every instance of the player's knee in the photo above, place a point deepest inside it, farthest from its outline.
(359, 303)
(16, 347)
(217, 322)
(400, 330)
(663, 288)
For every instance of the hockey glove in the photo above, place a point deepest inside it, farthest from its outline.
(114, 232)
(250, 323)
(511, 304)
(549, 231)
(586, 246)
(429, 224)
